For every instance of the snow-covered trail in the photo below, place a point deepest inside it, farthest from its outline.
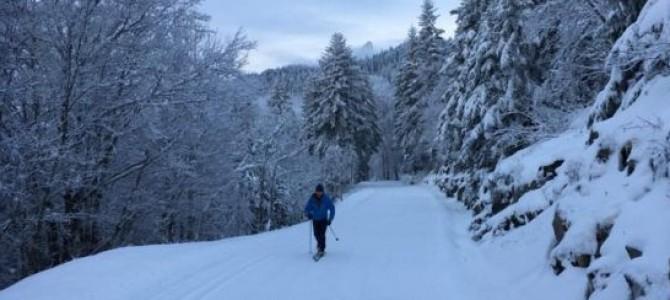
(396, 242)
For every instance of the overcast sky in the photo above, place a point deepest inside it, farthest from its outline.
(297, 31)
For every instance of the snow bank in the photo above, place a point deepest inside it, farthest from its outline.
(605, 187)
(610, 198)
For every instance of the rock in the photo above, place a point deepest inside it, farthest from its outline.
(633, 252)
(590, 287)
(558, 267)
(604, 155)
(560, 226)
(636, 289)
(478, 208)
(582, 261)
(597, 281)
(549, 171)
(602, 233)
(593, 136)
(499, 201)
(624, 155)
(631, 167)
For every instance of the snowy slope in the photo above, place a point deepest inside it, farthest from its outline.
(397, 242)
(601, 190)
(609, 198)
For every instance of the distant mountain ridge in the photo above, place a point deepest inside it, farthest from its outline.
(365, 51)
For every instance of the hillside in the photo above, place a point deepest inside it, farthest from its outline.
(600, 189)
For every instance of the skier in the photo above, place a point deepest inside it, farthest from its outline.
(321, 211)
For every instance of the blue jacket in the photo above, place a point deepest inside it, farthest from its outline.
(320, 209)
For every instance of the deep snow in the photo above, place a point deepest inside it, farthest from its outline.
(396, 242)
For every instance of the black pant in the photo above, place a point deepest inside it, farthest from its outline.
(320, 227)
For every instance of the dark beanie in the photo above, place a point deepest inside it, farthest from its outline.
(319, 187)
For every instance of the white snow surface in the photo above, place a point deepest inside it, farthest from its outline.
(396, 242)
(590, 194)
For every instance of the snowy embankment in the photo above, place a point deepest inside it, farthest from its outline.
(601, 190)
(606, 204)
(397, 242)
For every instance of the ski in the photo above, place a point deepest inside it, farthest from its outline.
(318, 257)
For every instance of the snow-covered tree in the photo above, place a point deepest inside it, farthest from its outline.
(280, 100)
(275, 171)
(488, 113)
(409, 108)
(518, 72)
(430, 47)
(113, 128)
(340, 109)
(385, 63)
(294, 77)
(417, 106)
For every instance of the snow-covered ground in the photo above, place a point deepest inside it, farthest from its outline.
(396, 242)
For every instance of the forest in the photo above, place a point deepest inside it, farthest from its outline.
(131, 122)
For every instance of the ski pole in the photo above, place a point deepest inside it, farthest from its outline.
(333, 232)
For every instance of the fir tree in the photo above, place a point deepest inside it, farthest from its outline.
(409, 107)
(340, 109)
(488, 114)
(430, 46)
(418, 77)
(280, 100)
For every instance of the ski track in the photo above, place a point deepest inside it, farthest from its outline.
(396, 242)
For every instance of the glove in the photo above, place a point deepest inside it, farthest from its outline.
(329, 221)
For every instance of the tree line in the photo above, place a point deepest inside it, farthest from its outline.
(129, 122)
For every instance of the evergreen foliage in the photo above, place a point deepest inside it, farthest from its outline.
(340, 108)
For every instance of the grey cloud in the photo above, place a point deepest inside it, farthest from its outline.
(296, 31)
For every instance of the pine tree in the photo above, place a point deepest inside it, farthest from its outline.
(280, 100)
(340, 109)
(415, 81)
(430, 51)
(409, 107)
(517, 71)
(489, 109)
(515, 106)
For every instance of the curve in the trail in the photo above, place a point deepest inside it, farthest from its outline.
(396, 242)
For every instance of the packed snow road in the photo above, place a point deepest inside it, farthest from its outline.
(396, 242)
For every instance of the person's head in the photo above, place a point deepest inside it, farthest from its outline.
(319, 190)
